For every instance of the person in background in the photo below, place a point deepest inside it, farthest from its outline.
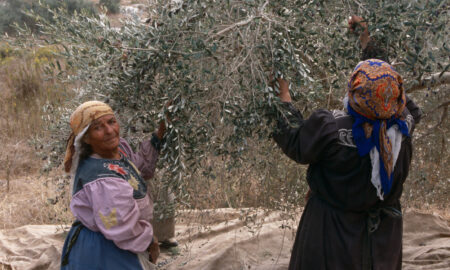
(164, 228)
(110, 199)
(358, 161)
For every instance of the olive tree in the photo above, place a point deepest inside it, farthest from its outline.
(213, 59)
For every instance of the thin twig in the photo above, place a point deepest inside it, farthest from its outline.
(443, 117)
(445, 104)
(434, 80)
(151, 49)
(241, 23)
(361, 6)
(231, 27)
(316, 69)
(261, 9)
(329, 96)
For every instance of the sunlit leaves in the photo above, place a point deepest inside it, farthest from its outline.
(213, 59)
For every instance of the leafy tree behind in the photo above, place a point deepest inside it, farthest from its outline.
(213, 62)
(14, 11)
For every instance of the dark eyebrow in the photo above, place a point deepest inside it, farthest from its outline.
(94, 123)
(97, 122)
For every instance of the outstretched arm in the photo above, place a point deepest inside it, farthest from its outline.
(371, 48)
(147, 156)
(303, 140)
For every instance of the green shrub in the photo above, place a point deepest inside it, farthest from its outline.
(113, 6)
(14, 11)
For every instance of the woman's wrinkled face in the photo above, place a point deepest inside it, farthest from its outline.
(103, 136)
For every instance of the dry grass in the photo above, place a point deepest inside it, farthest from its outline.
(24, 91)
(27, 202)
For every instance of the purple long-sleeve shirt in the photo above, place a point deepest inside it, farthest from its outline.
(110, 204)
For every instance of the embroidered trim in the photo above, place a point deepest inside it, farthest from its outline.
(134, 167)
(339, 114)
(122, 152)
(109, 220)
(133, 182)
(116, 168)
(346, 137)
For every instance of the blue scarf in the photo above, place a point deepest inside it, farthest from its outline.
(364, 144)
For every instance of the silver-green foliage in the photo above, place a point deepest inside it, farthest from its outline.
(212, 59)
(14, 11)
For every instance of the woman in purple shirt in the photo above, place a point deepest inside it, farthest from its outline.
(110, 199)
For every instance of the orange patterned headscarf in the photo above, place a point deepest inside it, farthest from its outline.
(376, 91)
(80, 119)
(376, 100)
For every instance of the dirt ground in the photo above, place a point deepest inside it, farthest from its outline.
(222, 239)
(209, 239)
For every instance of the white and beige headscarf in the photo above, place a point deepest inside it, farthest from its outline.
(80, 121)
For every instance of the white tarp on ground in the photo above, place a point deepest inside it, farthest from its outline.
(223, 239)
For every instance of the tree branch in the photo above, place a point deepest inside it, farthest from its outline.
(431, 81)
(241, 23)
(445, 104)
(316, 69)
(441, 120)
(152, 49)
(443, 117)
(234, 25)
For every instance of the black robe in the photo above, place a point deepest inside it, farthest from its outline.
(332, 233)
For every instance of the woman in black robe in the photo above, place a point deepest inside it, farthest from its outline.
(350, 221)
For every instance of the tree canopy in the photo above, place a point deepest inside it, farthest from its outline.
(213, 60)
